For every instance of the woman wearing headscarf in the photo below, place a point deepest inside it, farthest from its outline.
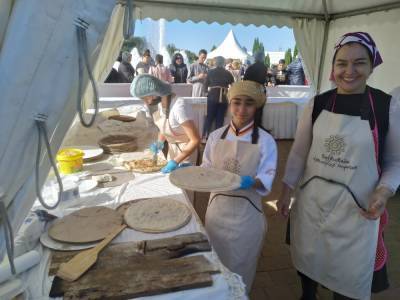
(125, 69)
(178, 68)
(174, 119)
(217, 83)
(235, 221)
(344, 164)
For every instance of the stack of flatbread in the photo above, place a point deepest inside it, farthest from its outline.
(204, 179)
(118, 143)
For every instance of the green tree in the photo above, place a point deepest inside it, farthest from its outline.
(191, 56)
(288, 56)
(213, 48)
(267, 60)
(171, 49)
(256, 45)
(295, 51)
(138, 42)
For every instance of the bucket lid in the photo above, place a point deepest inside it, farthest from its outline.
(69, 154)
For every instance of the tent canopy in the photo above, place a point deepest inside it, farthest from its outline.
(46, 81)
(229, 48)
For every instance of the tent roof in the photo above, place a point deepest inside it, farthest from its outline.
(258, 12)
(229, 48)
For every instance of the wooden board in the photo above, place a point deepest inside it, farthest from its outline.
(124, 272)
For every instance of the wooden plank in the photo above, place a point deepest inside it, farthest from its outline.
(146, 277)
(175, 242)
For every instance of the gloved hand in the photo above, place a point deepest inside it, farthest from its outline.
(171, 165)
(246, 182)
(156, 147)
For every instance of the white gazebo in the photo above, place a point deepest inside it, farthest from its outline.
(229, 48)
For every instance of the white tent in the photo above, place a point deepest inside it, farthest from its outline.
(229, 48)
(46, 81)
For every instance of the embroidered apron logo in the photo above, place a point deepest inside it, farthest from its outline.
(335, 145)
(232, 165)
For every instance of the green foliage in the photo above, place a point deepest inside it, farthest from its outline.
(171, 49)
(213, 48)
(267, 60)
(191, 56)
(258, 46)
(295, 51)
(288, 56)
(138, 42)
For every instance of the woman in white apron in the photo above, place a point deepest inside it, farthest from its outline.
(344, 164)
(235, 221)
(173, 118)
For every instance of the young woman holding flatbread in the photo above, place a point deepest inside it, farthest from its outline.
(344, 164)
(235, 221)
(174, 119)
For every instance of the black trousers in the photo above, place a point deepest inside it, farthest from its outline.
(309, 287)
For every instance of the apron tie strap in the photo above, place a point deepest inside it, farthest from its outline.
(236, 196)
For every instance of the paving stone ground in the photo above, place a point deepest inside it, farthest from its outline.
(276, 279)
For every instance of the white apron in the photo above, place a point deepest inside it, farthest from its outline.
(331, 242)
(176, 142)
(235, 220)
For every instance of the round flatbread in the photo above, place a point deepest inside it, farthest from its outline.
(86, 225)
(157, 215)
(144, 165)
(204, 179)
(61, 246)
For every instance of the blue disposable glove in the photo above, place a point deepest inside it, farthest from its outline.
(246, 182)
(171, 165)
(156, 147)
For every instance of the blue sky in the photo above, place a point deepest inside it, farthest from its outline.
(194, 36)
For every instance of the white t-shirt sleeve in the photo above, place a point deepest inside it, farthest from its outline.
(268, 161)
(181, 112)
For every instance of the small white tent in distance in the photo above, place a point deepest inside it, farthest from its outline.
(229, 48)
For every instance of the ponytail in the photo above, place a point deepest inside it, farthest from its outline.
(257, 124)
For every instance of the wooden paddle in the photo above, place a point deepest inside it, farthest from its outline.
(80, 263)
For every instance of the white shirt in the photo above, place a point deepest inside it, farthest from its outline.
(268, 152)
(390, 177)
(180, 112)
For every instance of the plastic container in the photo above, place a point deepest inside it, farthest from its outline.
(70, 160)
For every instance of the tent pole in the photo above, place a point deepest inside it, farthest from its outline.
(324, 44)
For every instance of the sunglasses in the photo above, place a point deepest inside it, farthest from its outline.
(178, 58)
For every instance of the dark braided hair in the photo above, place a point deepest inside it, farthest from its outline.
(167, 109)
(257, 123)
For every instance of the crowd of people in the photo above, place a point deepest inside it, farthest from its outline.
(342, 169)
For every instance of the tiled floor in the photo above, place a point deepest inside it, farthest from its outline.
(276, 278)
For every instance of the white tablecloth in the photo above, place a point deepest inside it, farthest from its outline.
(226, 285)
(123, 89)
(293, 91)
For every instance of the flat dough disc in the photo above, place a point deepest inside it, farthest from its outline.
(60, 246)
(156, 215)
(86, 225)
(144, 165)
(204, 179)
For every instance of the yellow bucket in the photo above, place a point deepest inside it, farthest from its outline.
(70, 160)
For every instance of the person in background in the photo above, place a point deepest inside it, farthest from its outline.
(295, 72)
(235, 71)
(197, 75)
(160, 71)
(125, 69)
(174, 119)
(143, 66)
(178, 69)
(228, 65)
(235, 221)
(114, 77)
(344, 166)
(271, 81)
(281, 77)
(257, 71)
(218, 81)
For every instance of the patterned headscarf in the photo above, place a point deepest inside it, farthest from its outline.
(362, 38)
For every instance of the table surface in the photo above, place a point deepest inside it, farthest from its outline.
(226, 285)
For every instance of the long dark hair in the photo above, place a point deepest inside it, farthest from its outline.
(168, 107)
(257, 124)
